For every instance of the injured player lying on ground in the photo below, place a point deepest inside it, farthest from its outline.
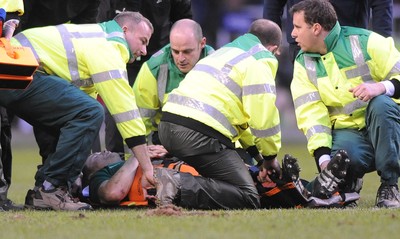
(327, 190)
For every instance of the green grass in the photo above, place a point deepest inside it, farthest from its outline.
(362, 222)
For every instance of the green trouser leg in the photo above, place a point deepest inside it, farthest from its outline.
(377, 146)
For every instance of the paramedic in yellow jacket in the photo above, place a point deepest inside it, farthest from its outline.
(226, 93)
(91, 57)
(344, 85)
(166, 69)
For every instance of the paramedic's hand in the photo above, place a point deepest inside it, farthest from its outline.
(270, 169)
(263, 176)
(156, 151)
(9, 28)
(324, 165)
(367, 91)
(148, 180)
(142, 154)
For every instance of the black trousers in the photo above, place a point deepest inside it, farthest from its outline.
(5, 154)
(113, 139)
(225, 182)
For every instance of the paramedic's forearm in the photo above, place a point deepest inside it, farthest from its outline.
(142, 155)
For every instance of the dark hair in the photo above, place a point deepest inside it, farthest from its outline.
(267, 32)
(316, 11)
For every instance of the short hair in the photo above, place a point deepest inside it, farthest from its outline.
(132, 19)
(194, 26)
(97, 161)
(268, 32)
(316, 11)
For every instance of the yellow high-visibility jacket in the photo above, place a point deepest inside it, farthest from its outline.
(92, 57)
(321, 83)
(13, 6)
(232, 90)
(156, 79)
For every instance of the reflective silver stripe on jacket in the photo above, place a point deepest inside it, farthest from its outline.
(109, 75)
(311, 70)
(259, 89)
(162, 82)
(317, 129)
(201, 106)
(306, 98)
(266, 132)
(126, 116)
(66, 37)
(149, 113)
(221, 76)
(162, 79)
(114, 34)
(252, 51)
(362, 68)
(356, 50)
(347, 109)
(26, 43)
(116, 74)
(101, 77)
(70, 51)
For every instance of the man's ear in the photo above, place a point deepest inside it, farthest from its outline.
(317, 28)
(274, 49)
(203, 42)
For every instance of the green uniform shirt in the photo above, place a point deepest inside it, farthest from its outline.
(99, 177)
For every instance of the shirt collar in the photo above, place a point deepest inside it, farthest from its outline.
(332, 37)
(330, 40)
(112, 26)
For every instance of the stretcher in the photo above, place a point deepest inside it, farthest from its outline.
(17, 65)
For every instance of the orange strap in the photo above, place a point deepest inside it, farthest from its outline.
(276, 190)
(136, 195)
(7, 46)
(182, 167)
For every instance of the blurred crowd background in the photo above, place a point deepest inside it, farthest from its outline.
(224, 20)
